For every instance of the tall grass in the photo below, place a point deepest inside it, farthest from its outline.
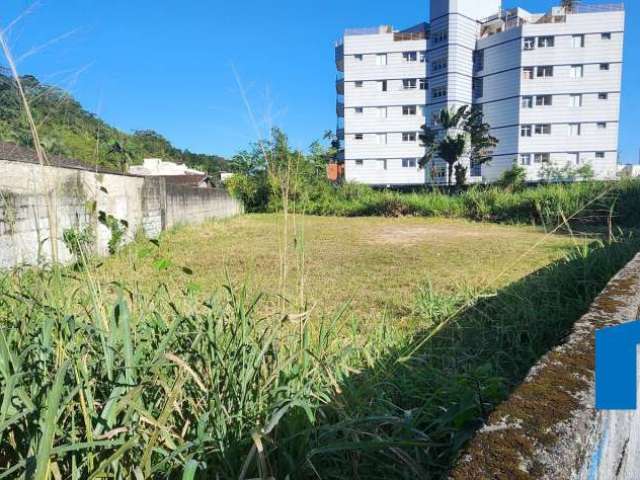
(547, 205)
(112, 382)
(136, 388)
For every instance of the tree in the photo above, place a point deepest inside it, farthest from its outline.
(461, 175)
(452, 119)
(452, 146)
(428, 141)
(481, 142)
(451, 149)
(464, 129)
(122, 153)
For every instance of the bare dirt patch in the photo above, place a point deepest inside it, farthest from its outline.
(416, 234)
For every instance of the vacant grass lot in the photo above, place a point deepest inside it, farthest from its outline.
(119, 370)
(376, 264)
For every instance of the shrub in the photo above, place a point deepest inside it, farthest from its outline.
(80, 241)
(253, 191)
(513, 180)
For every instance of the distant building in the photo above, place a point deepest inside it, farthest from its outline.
(174, 173)
(158, 167)
(629, 170)
(224, 176)
(547, 83)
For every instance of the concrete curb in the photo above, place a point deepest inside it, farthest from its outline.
(549, 428)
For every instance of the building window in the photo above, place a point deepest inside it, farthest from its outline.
(423, 56)
(546, 42)
(441, 171)
(525, 159)
(604, 66)
(529, 43)
(409, 163)
(359, 162)
(527, 102)
(541, 158)
(409, 84)
(382, 112)
(543, 129)
(527, 73)
(439, 92)
(359, 110)
(409, 110)
(359, 84)
(410, 57)
(439, 64)
(358, 136)
(358, 58)
(383, 85)
(381, 59)
(599, 154)
(603, 96)
(575, 100)
(525, 130)
(602, 125)
(577, 41)
(478, 60)
(423, 84)
(577, 71)
(574, 130)
(606, 36)
(475, 170)
(381, 138)
(409, 136)
(477, 87)
(544, 100)
(544, 72)
(439, 37)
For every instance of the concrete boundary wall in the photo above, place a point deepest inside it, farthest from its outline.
(148, 204)
(549, 428)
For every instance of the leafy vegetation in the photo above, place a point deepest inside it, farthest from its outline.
(462, 130)
(510, 201)
(68, 129)
(80, 241)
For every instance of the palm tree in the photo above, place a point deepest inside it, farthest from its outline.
(449, 119)
(427, 138)
(451, 149)
(481, 142)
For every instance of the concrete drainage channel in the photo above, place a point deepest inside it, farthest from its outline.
(549, 428)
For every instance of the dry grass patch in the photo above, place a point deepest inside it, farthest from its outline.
(375, 264)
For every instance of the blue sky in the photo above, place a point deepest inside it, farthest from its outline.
(169, 65)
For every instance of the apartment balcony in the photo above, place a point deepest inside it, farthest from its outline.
(340, 86)
(340, 109)
(409, 36)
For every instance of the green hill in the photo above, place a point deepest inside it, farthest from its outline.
(66, 128)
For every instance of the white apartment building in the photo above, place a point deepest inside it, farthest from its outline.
(548, 84)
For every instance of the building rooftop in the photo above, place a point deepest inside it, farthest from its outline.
(159, 167)
(515, 17)
(417, 32)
